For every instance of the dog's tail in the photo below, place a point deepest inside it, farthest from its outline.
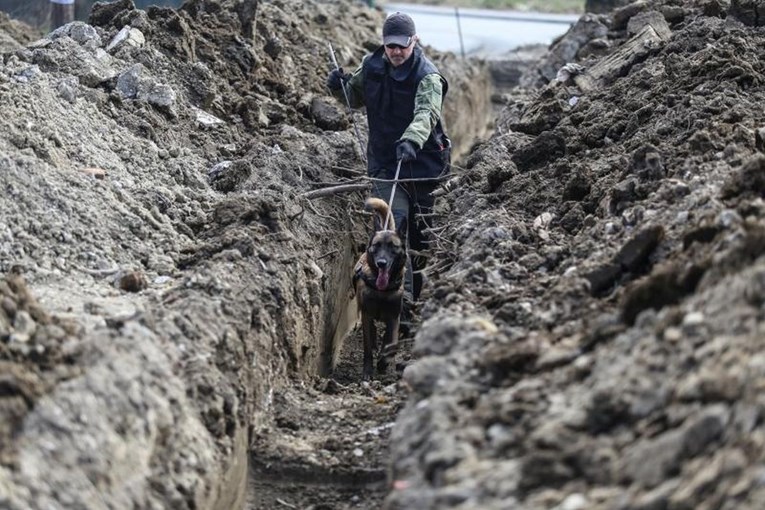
(382, 210)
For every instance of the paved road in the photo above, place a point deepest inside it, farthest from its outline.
(486, 33)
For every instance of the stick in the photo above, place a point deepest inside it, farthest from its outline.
(334, 190)
(348, 102)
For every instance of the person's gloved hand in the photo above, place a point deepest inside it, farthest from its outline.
(406, 151)
(336, 78)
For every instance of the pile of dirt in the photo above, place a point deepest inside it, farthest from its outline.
(154, 164)
(15, 34)
(593, 338)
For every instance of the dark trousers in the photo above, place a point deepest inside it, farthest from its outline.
(412, 204)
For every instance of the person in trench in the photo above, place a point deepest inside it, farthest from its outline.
(403, 92)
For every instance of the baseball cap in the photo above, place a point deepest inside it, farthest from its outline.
(398, 29)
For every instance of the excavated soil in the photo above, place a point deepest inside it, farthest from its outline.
(595, 335)
(176, 323)
(173, 306)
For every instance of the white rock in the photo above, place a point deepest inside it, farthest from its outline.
(543, 220)
(693, 319)
(574, 502)
(127, 36)
(206, 119)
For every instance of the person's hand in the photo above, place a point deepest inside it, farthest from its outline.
(336, 78)
(406, 151)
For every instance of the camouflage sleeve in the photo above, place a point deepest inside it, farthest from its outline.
(427, 109)
(354, 88)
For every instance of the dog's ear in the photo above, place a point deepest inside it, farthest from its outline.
(401, 229)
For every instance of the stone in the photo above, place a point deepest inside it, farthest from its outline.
(128, 36)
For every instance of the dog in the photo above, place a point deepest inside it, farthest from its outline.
(378, 279)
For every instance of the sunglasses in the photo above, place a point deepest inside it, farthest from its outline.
(398, 46)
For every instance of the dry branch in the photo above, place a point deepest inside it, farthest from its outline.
(334, 190)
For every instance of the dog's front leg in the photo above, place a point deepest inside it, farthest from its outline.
(370, 341)
(390, 344)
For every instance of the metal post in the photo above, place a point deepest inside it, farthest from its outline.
(459, 30)
(61, 13)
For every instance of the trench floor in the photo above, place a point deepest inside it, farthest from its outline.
(327, 448)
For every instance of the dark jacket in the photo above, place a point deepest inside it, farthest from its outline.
(389, 94)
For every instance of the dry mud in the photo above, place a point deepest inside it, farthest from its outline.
(172, 306)
(168, 293)
(595, 333)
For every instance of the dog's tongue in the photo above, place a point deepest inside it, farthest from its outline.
(382, 279)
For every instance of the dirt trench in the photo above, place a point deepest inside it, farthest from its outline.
(171, 298)
(592, 333)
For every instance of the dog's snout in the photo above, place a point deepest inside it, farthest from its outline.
(382, 263)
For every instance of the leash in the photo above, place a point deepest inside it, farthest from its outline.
(348, 104)
(392, 195)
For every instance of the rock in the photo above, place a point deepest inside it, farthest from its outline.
(97, 173)
(566, 50)
(623, 194)
(205, 119)
(653, 18)
(226, 176)
(129, 82)
(573, 220)
(633, 256)
(132, 281)
(67, 88)
(80, 32)
(574, 502)
(603, 278)
(128, 36)
(646, 164)
(132, 84)
(622, 16)
(542, 222)
(273, 47)
(159, 94)
(749, 179)
(327, 115)
(24, 327)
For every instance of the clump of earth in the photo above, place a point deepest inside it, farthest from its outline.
(174, 306)
(594, 335)
(169, 288)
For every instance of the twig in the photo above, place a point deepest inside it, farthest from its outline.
(317, 213)
(334, 190)
(282, 502)
(327, 254)
(100, 272)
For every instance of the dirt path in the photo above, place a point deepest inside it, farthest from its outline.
(328, 446)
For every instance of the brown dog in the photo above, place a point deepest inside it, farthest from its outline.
(379, 282)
